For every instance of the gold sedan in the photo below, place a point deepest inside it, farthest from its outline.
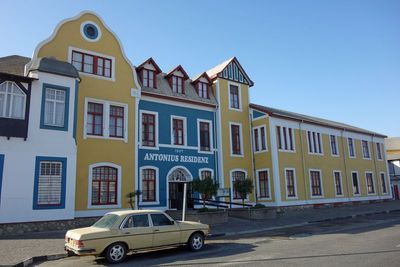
(120, 232)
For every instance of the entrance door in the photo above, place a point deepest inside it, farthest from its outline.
(396, 191)
(176, 195)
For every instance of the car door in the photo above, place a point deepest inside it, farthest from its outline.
(166, 231)
(137, 231)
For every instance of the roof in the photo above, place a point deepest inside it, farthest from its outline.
(54, 66)
(178, 68)
(310, 119)
(14, 64)
(152, 62)
(392, 146)
(204, 74)
(214, 72)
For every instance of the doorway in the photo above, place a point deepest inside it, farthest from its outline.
(176, 195)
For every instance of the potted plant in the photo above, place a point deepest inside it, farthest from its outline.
(132, 196)
(206, 187)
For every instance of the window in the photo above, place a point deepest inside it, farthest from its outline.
(236, 148)
(314, 142)
(356, 186)
(263, 184)
(202, 90)
(365, 149)
(259, 139)
(91, 64)
(379, 151)
(383, 183)
(177, 85)
(205, 174)
(55, 107)
(352, 152)
(370, 183)
(148, 78)
(237, 176)
(104, 185)
(116, 121)
(334, 146)
(338, 183)
(141, 220)
(12, 101)
(149, 185)
(49, 187)
(234, 96)
(205, 144)
(94, 123)
(148, 129)
(316, 186)
(160, 220)
(285, 138)
(178, 132)
(290, 183)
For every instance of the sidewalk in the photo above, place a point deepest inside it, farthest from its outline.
(16, 249)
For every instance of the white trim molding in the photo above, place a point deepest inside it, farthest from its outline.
(259, 139)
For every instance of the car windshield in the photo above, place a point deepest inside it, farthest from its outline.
(106, 221)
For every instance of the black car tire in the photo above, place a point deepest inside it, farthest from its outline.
(116, 253)
(196, 241)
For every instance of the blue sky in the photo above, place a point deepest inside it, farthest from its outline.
(338, 60)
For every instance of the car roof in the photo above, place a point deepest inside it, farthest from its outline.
(127, 212)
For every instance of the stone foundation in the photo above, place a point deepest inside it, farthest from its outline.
(215, 217)
(253, 214)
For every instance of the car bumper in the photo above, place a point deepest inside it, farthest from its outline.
(80, 251)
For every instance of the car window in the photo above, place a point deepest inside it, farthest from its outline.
(137, 221)
(160, 220)
(107, 221)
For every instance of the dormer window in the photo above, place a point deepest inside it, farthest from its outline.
(202, 90)
(177, 85)
(12, 101)
(148, 78)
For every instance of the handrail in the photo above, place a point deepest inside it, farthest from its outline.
(223, 202)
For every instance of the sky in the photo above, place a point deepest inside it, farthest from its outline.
(338, 60)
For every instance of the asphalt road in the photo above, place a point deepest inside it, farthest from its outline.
(368, 241)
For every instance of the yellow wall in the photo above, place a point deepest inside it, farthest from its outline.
(91, 150)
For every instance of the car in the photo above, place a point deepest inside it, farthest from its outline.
(121, 232)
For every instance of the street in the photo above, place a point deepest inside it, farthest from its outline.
(367, 241)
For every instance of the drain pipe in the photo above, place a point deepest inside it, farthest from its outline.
(253, 158)
(303, 161)
(345, 166)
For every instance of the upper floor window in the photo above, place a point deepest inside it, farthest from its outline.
(234, 96)
(205, 142)
(334, 145)
(12, 101)
(236, 147)
(259, 139)
(383, 183)
(116, 121)
(148, 129)
(285, 138)
(148, 78)
(54, 114)
(92, 64)
(178, 131)
(379, 151)
(177, 84)
(94, 119)
(352, 151)
(365, 149)
(314, 142)
(202, 90)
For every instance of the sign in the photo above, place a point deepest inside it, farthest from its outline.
(175, 158)
(223, 192)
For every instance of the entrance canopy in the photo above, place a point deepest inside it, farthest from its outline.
(179, 174)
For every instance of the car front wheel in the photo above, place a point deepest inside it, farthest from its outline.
(196, 242)
(116, 253)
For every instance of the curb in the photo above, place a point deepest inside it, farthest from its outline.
(37, 259)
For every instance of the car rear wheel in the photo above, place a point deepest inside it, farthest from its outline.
(116, 253)
(196, 242)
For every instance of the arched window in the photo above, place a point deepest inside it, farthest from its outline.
(104, 185)
(149, 185)
(12, 101)
(237, 176)
(205, 174)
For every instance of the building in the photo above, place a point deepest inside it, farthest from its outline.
(393, 158)
(86, 128)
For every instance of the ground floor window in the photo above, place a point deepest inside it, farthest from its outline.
(237, 176)
(316, 187)
(370, 183)
(383, 183)
(263, 184)
(148, 185)
(338, 183)
(290, 183)
(104, 185)
(356, 186)
(205, 174)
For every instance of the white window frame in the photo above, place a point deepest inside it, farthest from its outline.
(336, 145)
(258, 184)
(239, 95)
(106, 119)
(148, 203)
(354, 147)
(231, 184)
(386, 183)
(363, 152)
(241, 155)
(373, 183)
(211, 136)
(260, 139)
(316, 143)
(185, 144)
(320, 181)
(206, 169)
(54, 101)
(341, 182)
(4, 111)
(155, 147)
(358, 182)
(282, 136)
(119, 185)
(294, 183)
(381, 149)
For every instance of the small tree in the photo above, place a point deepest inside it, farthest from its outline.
(243, 188)
(133, 196)
(206, 187)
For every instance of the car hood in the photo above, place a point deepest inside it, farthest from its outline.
(86, 233)
(192, 225)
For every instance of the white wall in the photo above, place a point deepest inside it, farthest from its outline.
(19, 163)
